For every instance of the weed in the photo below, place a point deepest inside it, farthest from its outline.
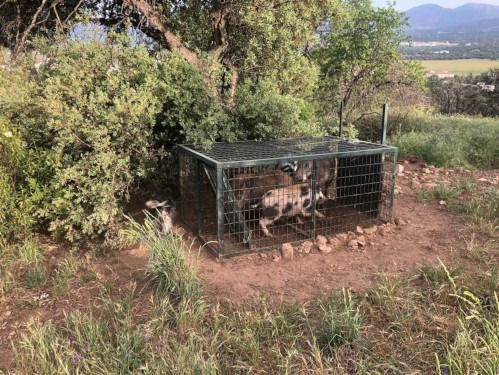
(484, 211)
(34, 277)
(167, 265)
(340, 326)
(450, 141)
(466, 184)
(475, 348)
(66, 270)
(437, 276)
(29, 252)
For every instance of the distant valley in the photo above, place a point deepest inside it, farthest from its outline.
(468, 31)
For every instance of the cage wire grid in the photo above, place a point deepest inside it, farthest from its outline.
(338, 184)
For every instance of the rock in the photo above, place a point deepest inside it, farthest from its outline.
(306, 247)
(460, 169)
(361, 241)
(353, 243)
(426, 170)
(335, 242)
(263, 255)
(343, 237)
(276, 258)
(321, 240)
(287, 251)
(412, 159)
(400, 169)
(400, 221)
(359, 230)
(371, 230)
(483, 180)
(383, 231)
(442, 203)
(325, 249)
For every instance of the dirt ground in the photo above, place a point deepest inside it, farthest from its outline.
(427, 232)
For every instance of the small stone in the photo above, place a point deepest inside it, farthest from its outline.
(399, 221)
(7, 314)
(263, 255)
(412, 159)
(426, 170)
(400, 169)
(321, 240)
(442, 203)
(287, 251)
(359, 230)
(276, 258)
(325, 249)
(460, 169)
(334, 242)
(361, 241)
(371, 230)
(306, 247)
(483, 180)
(353, 243)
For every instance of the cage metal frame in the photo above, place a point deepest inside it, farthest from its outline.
(226, 156)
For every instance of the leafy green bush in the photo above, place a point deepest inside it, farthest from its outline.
(261, 112)
(95, 121)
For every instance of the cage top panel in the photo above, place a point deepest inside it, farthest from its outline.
(305, 148)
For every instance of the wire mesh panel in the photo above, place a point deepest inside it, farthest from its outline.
(248, 196)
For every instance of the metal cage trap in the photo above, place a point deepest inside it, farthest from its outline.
(253, 195)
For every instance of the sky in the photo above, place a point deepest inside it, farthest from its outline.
(407, 4)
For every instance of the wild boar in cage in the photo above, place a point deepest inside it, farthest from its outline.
(254, 195)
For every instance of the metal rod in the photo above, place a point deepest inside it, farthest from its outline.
(341, 119)
(220, 210)
(199, 205)
(384, 124)
(314, 197)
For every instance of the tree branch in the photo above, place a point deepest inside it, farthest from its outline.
(172, 42)
(24, 36)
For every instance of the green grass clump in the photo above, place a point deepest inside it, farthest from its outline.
(484, 211)
(167, 265)
(341, 323)
(450, 141)
(34, 278)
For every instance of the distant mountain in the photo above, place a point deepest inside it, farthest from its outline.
(434, 17)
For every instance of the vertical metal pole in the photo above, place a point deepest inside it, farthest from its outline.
(341, 119)
(392, 187)
(199, 205)
(314, 197)
(220, 210)
(384, 124)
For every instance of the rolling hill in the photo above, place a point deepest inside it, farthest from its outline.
(434, 17)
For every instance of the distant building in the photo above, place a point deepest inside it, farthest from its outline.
(487, 88)
(443, 75)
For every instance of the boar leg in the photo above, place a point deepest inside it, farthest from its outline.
(264, 221)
